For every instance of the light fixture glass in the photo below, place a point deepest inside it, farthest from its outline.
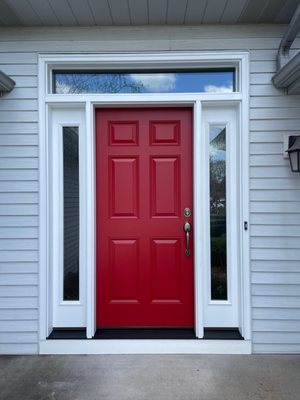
(294, 153)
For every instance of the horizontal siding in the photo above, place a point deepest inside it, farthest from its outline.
(18, 326)
(275, 183)
(24, 140)
(18, 105)
(274, 254)
(273, 207)
(14, 303)
(16, 256)
(21, 116)
(16, 128)
(19, 162)
(276, 242)
(18, 291)
(275, 216)
(272, 266)
(19, 198)
(21, 244)
(275, 290)
(279, 195)
(274, 190)
(19, 315)
(19, 207)
(139, 44)
(18, 268)
(22, 93)
(275, 314)
(18, 186)
(274, 101)
(277, 278)
(18, 336)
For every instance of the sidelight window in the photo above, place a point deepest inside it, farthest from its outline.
(217, 176)
(71, 213)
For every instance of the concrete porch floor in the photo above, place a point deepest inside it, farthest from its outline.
(138, 377)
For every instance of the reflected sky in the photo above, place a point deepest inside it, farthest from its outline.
(173, 82)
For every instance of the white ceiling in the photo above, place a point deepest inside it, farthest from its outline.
(143, 12)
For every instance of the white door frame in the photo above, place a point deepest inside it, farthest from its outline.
(222, 313)
(65, 313)
(88, 103)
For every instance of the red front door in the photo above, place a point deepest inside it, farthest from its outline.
(144, 183)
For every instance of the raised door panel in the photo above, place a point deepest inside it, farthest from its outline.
(123, 272)
(123, 177)
(166, 272)
(165, 187)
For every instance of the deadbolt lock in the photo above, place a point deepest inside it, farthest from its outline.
(187, 212)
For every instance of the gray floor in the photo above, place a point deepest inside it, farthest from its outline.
(154, 377)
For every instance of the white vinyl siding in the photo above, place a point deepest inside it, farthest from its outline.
(19, 206)
(275, 217)
(274, 190)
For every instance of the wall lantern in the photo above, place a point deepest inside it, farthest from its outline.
(294, 153)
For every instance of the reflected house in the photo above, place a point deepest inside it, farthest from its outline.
(219, 141)
(218, 170)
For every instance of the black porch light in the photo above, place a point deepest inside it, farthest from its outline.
(294, 153)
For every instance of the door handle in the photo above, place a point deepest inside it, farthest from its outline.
(187, 227)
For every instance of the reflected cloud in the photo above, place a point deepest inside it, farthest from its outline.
(218, 89)
(156, 82)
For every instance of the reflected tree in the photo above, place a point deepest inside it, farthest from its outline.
(217, 163)
(67, 83)
(217, 186)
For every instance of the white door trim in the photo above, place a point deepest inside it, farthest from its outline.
(89, 102)
(65, 313)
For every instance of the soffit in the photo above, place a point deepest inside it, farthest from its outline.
(143, 12)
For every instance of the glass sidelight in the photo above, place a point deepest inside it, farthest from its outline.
(217, 177)
(70, 214)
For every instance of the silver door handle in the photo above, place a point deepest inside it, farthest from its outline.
(187, 227)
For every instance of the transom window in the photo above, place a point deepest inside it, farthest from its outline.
(204, 81)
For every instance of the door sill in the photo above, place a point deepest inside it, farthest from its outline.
(147, 346)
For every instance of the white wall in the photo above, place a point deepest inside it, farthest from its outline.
(275, 191)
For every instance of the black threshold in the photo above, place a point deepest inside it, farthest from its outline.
(67, 333)
(145, 333)
(222, 334)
